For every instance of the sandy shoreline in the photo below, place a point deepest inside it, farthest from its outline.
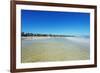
(76, 39)
(36, 38)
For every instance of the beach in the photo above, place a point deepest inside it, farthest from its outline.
(47, 49)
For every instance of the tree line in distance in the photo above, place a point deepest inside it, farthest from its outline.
(23, 34)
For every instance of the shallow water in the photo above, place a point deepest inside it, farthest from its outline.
(55, 49)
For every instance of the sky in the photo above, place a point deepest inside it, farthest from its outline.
(52, 22)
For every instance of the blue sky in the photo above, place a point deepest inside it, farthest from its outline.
(50, 22)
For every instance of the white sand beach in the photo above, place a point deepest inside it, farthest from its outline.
(34, 38)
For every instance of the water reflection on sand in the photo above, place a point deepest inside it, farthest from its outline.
(55, 49)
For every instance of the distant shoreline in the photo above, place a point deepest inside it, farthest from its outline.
(46, 37)
(38, 37)
(34, 38)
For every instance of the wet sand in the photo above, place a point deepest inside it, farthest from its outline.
(55, 49)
